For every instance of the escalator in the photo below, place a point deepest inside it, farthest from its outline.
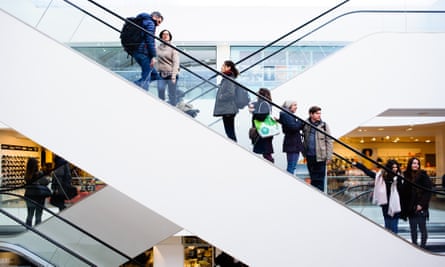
(167, 180)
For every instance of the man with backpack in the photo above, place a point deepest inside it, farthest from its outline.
(145, 52)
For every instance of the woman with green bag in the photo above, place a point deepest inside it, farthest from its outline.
(261, 110)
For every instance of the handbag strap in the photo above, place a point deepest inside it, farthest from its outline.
(259, 107)
(60, 185)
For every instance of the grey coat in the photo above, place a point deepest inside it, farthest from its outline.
(323, 144)
(225, 99)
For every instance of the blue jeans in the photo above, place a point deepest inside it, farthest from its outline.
(144, 62)
(292, 159)
(167, 82)
(391, 223)
(317, 171)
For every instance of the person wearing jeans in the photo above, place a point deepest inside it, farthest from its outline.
(146, 52)
(291, 127)
(168, 68)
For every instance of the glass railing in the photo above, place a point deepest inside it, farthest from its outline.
(41, 245)
(331, 28)
(54, 239)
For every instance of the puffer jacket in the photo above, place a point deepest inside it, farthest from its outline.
(323, 144)
(148, 47)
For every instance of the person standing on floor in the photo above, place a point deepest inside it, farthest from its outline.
(167, 67)
(317, 147)
(391, 179)
(260, 110)
(292, 127)
(415, 201)
(145, 54)
(225, 105)
(36, 191)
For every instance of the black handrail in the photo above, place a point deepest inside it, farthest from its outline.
(348, 188)
(318, 28)
(17, 220)
(381, 166)
(278, 39)
(358, 196)
(142, 29)
(262, 97)
(70, 224)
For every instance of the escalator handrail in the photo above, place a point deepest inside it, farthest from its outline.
(358, 196)
(260, 96)
(348, 188)
(279, 39)
(144, 30)
(334, 19)
(69, 223)
(73, 253)
(381, 166)
(318, 28)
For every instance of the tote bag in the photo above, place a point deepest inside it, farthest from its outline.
(379, 196)
(394, 200)
(267, 128)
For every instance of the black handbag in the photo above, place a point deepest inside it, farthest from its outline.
(37, 190)
(67, 192)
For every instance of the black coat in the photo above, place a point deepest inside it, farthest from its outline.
(262, 145)
(292, 133)
(412, 196)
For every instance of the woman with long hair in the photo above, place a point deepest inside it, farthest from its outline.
(36, 191)
(415, 198)
(260, 110)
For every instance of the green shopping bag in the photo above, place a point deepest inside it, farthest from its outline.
(267, 128)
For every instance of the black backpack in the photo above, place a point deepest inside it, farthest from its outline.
(131, 36)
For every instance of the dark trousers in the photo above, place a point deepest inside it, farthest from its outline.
(229, 126)
(34, 208)
(418, 220)
(317, 171)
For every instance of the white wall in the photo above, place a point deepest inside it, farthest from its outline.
(250, 205)
(196, 22)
